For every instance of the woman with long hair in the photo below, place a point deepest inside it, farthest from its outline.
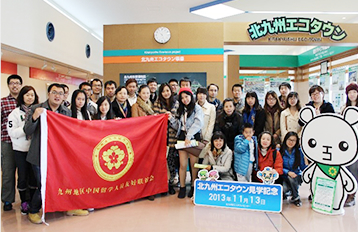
(20, 143)
(289, 116)
(164, 104)
(78, 105)
(293, 165)
(273, 113)
(253, 112)
(189, 122)
(143, 106)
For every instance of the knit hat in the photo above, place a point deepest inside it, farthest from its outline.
(186, 89)
(351, 86)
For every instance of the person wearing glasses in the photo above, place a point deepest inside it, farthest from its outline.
(56, 94)
(8, 166)
(316, 93)
(273, 110)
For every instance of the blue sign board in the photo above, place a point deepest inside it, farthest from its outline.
(249, 196)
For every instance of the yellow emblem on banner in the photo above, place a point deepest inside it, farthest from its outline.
(113, 157)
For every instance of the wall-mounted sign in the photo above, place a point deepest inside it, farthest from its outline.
(163, 55)
(284, 25)
(54, 77)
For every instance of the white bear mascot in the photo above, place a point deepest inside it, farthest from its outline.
(330, 142)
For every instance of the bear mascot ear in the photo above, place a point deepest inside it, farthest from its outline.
(350, 114)
(307, 113)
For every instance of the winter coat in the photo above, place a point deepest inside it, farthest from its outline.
(242, 154)
(222, 163)
(230, 126)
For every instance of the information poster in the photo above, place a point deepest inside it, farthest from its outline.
(312, 80)
(257, 85)
(338, 88)
(230, 194)
(197, 79)
(325, 190)
(352, 74)
(325, 83)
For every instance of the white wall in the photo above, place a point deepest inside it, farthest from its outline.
(23, 26)
(39, 85)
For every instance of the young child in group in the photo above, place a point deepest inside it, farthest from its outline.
(293, 165)
(245, 153)
(219, 156)
(267, 156)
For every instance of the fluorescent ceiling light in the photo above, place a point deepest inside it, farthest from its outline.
(215, 10)
(72, 18)
(302, 12)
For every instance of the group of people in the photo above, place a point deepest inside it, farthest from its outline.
(237, 137)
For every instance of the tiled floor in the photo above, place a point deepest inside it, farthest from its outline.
(170, 214)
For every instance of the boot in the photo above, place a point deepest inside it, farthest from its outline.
(171, 190)
(182, 192)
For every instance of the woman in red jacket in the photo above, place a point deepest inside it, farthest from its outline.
(268, 156)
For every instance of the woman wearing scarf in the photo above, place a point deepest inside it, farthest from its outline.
(253, 113)
(120, 106)
(273, 112)
(21, 143)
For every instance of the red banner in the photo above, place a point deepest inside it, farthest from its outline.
(94, 164)
(55, 77)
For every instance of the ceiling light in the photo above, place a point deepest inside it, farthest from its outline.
(303, 12)
(215, 10)
(68, 72)
(44, 66)
(53, 68)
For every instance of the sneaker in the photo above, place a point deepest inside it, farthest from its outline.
(90, 209)
(182, 192)
(298, 203)
(24, 207)
(7, 206)
(294, 199)
(191, 192)
(77, 212)
(151, 198)
(34, 218)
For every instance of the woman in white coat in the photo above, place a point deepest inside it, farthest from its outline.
(21, 143)
(290, 116)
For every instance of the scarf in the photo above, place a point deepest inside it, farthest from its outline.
(27, 110)
(330, 171)
(250, 118)
(146, 107)
(272, 112)
(123, 108)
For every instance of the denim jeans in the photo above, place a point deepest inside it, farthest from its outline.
(292, 184)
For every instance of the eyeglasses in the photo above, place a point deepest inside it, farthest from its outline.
(14, 83)
(316, 94)
(292, 140)
(57, 93)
